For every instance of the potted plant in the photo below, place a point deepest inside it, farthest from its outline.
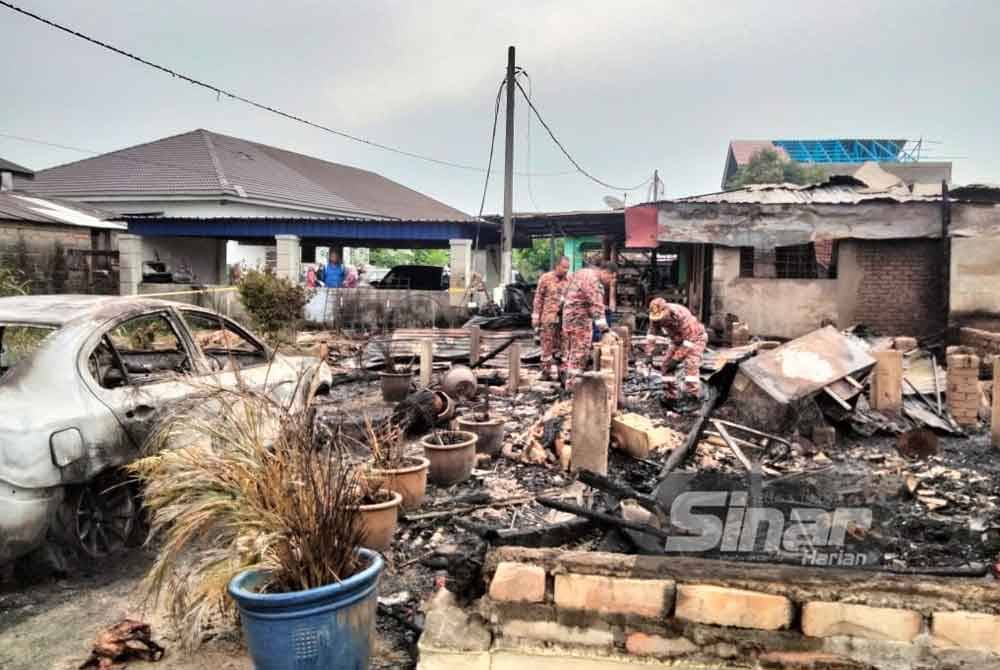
(390, 468)
(452, 455)
(379, 512)
(395, 379)
(252, 516)
(489, 429)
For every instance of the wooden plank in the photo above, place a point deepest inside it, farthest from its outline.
(840, 401)
(513, 367)
(591, 424)
(887, 381)
(474, 338)
(426, 348)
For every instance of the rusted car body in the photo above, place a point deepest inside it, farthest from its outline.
(82, 379)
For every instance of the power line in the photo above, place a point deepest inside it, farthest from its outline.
(493, 139)
(235, 96)
(567, 154)
(527, 149)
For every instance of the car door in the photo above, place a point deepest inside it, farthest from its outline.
(233, 354)
(144, 364)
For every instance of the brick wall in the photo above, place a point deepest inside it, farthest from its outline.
(39, 249)
(900, 292)
(985, 343)
(555, 609)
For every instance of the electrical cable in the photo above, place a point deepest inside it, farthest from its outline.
(489, 162)
(219, 91)
(527, 151)
(567, 154)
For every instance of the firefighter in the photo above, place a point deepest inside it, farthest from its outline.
(583, 308)
(546, 312)
(686, 340)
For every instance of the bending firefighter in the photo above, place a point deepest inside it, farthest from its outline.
(583, 308)
(545, 315)
(685, 337)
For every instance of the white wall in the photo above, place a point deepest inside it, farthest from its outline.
(205, 256)
(771, 307)
(214, 207)
(251, 256)
(975, 276)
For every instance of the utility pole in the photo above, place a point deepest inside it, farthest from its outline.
(506, 259)
(656, 185)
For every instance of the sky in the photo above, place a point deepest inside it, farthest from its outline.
(627, 87)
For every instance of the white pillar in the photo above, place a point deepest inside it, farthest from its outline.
(289, 257)
(129, 263)
(460, 261)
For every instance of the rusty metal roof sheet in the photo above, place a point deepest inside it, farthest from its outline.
(23, 206)
(805, 365)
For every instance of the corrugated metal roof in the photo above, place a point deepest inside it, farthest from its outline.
(22, 206)
(200, 163)
(869, 182)
(8, 166)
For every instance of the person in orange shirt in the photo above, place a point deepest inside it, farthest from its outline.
(687, 340)
(546, 314)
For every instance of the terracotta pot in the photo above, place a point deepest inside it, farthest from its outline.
(445, 404)
(395, 385)
(379, 521)
(490, 433)
(450, 463)
(408, 481)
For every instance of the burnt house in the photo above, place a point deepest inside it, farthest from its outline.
(55, 245)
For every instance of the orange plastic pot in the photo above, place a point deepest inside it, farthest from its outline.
(379, 521)
(409, 481)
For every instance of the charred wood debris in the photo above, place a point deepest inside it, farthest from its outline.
(791, 425)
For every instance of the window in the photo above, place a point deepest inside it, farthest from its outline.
(746, 261)
(222, 342)
(800, 261)
(19, 342)
(106, 366)
(149, 348)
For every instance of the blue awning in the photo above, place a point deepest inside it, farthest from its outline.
(347, 230)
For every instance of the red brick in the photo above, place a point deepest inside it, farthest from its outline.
(732, 607)
(824, 619)
(519, 583)
(968, 630)
(613, 595)
(642, 644)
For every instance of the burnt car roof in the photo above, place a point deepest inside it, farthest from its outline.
(61, 309)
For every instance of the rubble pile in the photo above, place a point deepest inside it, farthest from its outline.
(809, 425)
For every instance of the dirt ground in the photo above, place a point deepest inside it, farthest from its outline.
(50, 624)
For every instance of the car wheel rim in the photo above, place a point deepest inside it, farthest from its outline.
(105, 519)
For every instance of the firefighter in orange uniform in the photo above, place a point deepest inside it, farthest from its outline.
(583, 308)
(686, 342)
(546, 312)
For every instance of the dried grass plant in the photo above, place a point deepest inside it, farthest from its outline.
(235, 481)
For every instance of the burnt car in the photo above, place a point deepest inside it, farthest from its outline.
(82, 381)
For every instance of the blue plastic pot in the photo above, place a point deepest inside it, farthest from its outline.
(327, 627)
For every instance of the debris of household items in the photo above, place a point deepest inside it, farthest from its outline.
(121, 643)
(547, 440)
(422, 411)
(784, 388)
